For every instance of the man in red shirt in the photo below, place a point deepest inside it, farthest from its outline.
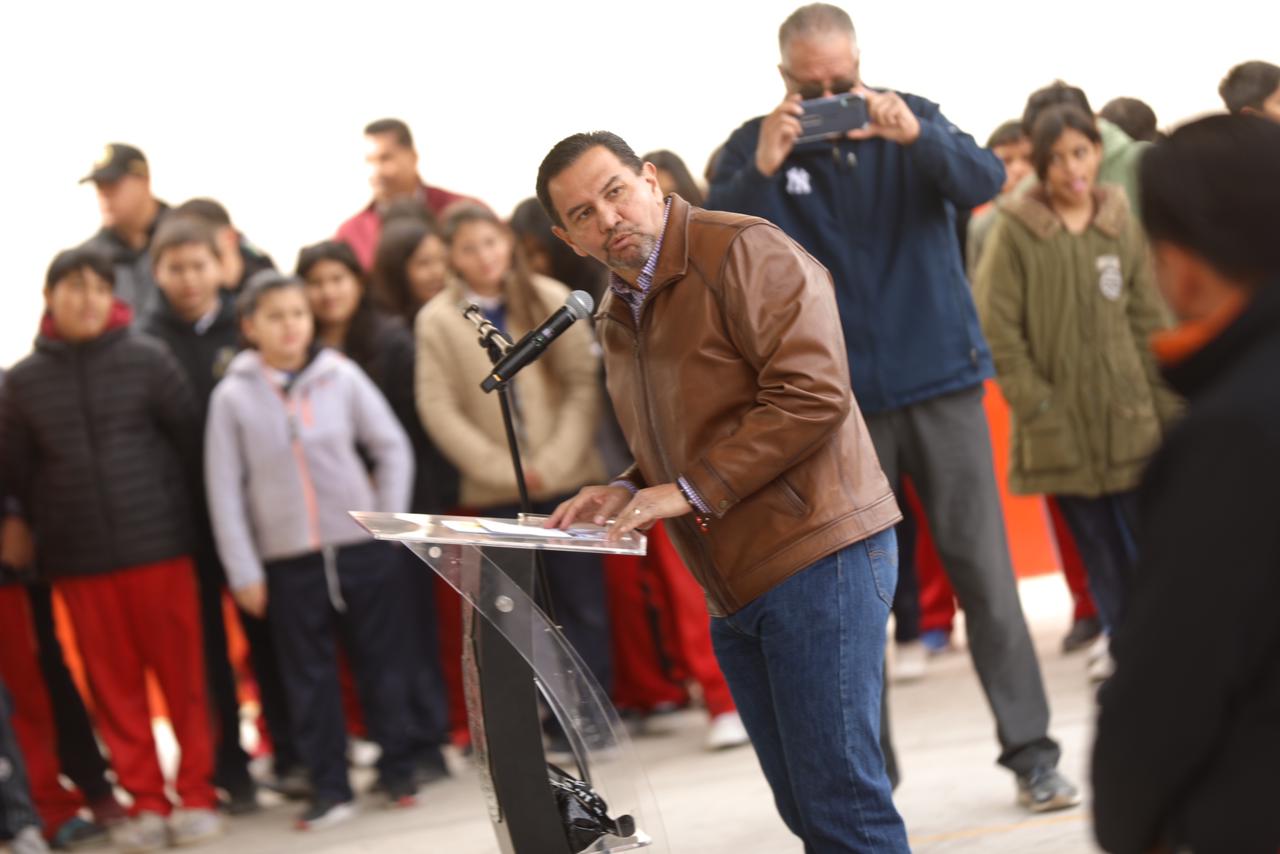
(393, 163)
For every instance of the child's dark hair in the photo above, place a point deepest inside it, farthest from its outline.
(181, 230)
(1050, 126)
(69, 261)
(1249, 84)
(1007, 134)
(1209, 187)
(362, 331)
(261, 284)
(1056, 94)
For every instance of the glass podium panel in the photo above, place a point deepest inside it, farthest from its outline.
(454, 547)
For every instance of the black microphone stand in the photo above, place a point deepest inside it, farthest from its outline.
(496, 344)
(512, 731)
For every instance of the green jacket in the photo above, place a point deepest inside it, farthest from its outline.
(1068, 318)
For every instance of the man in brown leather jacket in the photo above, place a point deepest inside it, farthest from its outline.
(727, 370)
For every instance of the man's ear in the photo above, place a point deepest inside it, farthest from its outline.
(1252, 111)
(564, 235)
(649, 174)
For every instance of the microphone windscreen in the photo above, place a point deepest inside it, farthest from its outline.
(580, 305)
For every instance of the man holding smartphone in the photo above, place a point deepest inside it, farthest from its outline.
(877, 206)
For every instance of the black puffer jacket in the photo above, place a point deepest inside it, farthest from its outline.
(96, 441)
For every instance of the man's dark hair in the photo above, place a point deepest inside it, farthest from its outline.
(1249, 84)
(1007, 134)
(180, 230)
(1134, 117)
(1052, 95)
(394, 127)
(1209, 187)
(1050, 126)
(208, 210)
(566, 153)
(814, 19)
(69, 261)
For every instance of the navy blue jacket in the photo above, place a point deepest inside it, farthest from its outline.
(881, 217)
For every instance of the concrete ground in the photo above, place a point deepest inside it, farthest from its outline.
(953, 796)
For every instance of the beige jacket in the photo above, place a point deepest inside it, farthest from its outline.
(557, 399)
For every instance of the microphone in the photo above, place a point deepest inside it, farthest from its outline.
(578, 306)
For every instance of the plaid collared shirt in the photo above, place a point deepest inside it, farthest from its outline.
(634, 295)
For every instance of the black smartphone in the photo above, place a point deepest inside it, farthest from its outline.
(838, 114)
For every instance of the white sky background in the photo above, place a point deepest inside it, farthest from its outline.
(261, 104)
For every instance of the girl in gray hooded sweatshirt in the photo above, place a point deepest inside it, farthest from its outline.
(296, 438)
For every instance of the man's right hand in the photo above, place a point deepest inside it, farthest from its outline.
(597, 503)
(778, 134)
(252, 599)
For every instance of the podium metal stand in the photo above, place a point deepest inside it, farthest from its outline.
(512, 654)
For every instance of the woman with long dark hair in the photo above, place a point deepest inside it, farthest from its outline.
(409, 266)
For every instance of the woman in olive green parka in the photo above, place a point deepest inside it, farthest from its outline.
(1066, 300)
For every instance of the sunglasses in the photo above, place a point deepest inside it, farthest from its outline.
(809, 90)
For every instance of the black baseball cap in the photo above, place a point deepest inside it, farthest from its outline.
(117, 160)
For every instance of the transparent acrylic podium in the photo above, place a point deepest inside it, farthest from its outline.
(466, 553)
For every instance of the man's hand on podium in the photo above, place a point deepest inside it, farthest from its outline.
(630, 513)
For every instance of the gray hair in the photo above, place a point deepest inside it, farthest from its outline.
(814, 19)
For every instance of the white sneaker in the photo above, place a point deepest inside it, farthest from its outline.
(909, 661)
(1101, 668)
(145, 832)
(191, 827)
(727, 731)
(28, 841)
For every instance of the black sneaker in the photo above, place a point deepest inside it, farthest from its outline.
(294, 784)
(241, 799)
(401, 794)
(1046, 790)
(324, 813)
(430, 767)
(1083, 632)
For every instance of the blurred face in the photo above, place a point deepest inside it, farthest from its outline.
(481, 255)
(80, 303)
(609, 212)
(189, 275)
(393, 168)
(666, 182)
(281, 328)
(1016, 157)
(125, 203)
(333, 292)
(426, 268)
(820, 65)
(1073, 168)
(538, 256)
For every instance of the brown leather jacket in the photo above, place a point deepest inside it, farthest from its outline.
(737, 380)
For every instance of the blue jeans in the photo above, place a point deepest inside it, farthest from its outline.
(805, 663)
(1103, 530)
